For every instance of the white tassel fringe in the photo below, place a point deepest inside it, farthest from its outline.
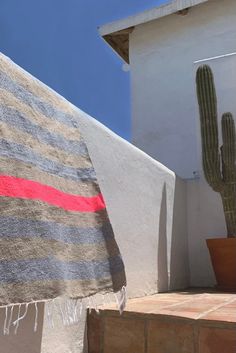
(70, 310)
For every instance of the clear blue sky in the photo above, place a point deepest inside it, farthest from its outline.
(58, 42)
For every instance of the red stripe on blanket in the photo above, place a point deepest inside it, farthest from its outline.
(28, 189)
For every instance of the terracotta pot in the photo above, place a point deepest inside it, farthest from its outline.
(223, 258)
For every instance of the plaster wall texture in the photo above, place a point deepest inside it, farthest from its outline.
(165, 122)
(146, 203)
(144, 199)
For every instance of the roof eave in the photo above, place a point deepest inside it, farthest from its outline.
(119, 41)
(116, 34)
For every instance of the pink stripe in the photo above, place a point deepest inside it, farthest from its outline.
(27, 189)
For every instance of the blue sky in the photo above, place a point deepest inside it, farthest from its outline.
(58, 42)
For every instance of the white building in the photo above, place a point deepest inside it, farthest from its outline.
(163, 47)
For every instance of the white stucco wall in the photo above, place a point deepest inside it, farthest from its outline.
(165, 121)
(143, 199)
(147, 206)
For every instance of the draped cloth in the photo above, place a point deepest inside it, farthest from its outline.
(55, 235)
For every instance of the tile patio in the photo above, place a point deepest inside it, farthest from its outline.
(192, 321)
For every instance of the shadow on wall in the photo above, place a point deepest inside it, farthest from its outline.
(172, 258)
(162, 261)
(26, 340)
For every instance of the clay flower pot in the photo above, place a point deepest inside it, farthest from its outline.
(223, 257)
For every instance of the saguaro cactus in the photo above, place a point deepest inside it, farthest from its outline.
(219, 164)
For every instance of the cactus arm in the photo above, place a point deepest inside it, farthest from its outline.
(209, 128)
(228, 150)
(228, 155)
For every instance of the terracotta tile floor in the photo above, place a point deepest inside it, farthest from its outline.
(202, 304)
(193, 321)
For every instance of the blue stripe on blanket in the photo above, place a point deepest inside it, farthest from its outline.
(53, 269)
(11, 227)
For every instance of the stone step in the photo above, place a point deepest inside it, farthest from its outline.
(193, 321)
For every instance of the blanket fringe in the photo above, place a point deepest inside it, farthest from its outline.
(70, 310)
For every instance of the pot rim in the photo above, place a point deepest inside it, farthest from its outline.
(221, 242)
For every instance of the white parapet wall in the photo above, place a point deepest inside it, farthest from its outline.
(147, 207)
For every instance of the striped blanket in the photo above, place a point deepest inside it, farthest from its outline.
(55, 235)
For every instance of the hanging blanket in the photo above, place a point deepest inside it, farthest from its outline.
(55, 235)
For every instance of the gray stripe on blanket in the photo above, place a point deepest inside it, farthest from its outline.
(27, 155)
(36, 102)
(19, 120)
